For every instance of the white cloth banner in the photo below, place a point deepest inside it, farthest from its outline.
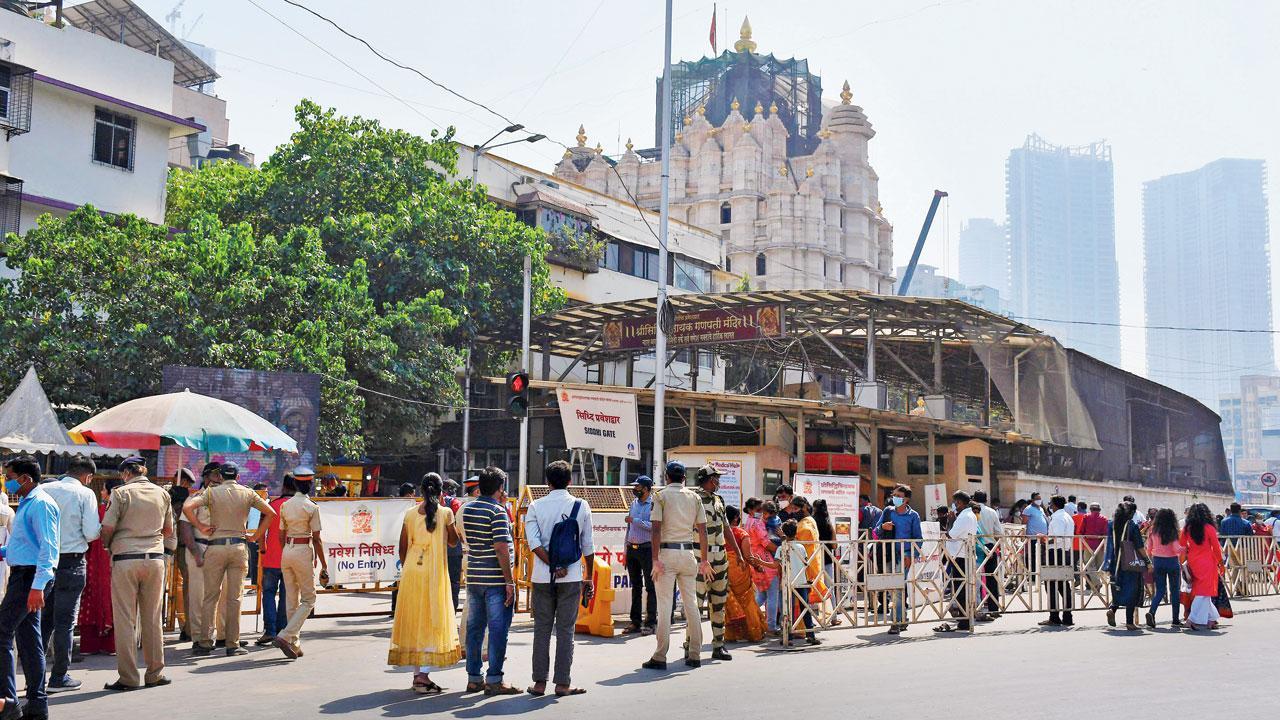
(841, 494)
(361, 536)
(606, 422)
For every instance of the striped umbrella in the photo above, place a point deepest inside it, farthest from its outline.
(185, 419)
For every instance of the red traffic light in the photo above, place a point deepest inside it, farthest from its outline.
(518, 382)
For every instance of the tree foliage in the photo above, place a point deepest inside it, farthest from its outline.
(350, 253)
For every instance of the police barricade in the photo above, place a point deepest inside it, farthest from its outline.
(1040, 573)
(1252, 566)
(875, 586)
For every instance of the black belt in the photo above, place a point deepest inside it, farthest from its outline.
(637, 546)
(677, 546)
(224, 541)
(137, 556)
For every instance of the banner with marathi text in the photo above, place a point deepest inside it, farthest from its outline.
(701, 327)
(361, 536)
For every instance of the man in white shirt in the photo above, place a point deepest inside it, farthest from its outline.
(1138, 516)
(957, 560)
(77, 527)
(989, 530)
(557, 590)
(1061, 531)
(1273, 524)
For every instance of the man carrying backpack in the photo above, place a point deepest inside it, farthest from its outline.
(558, 528)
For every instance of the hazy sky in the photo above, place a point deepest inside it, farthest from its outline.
(950, 86)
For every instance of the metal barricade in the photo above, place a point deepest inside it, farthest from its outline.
(1252, 566)
(875, 586)
(1041, 573)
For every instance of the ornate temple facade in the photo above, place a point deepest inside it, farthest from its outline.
(758, 160)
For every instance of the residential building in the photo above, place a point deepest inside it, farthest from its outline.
(756, 159)
(1061, 224)
(1207, 265)
(1251, 431)
(984, 254)
(98, 119)
(928, 282)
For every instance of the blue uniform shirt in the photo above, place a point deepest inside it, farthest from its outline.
(33, 537)
(641, 528)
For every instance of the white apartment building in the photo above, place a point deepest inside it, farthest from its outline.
(95, 121)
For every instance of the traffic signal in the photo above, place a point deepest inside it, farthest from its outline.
(518, 387)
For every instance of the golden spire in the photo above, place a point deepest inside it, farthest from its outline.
(702, 110)
(679, 137)
(783, 170)
(824, 134)
(808, 172)
(582, 136)
(688, 121)
(759, 107)
(846, 96)
(773, 108)
(568, 154)
(735, 104)
(629, 145)
(599, 149)
(746, 127)
(745, 43)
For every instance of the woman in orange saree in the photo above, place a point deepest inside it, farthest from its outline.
(743, 620)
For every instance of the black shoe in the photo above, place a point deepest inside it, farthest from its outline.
(721, 654)
(1050, 623)
(116, 686)
(11, 711)
(654, 665)
(691, 662)
(265, 640)
(812, 640)
(159, 682)
(184, 637)
(1177, 623)
(1151, 620)
(236, 651)
(198, 650)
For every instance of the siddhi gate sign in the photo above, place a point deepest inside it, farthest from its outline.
(701, 327)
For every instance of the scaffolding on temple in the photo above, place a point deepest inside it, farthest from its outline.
(742, 74)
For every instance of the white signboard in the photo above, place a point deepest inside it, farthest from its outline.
(730, 481)
(361, 536)
(841, 494)
(927, 573)
(609, 535)
(935, 496)
(606, 422)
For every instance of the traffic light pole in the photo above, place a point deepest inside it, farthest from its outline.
(660, 340)
(524, 366)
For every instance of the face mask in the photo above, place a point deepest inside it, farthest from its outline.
(757, 516)
(897, 501)
(1037, 503)
(637, 493)
(11, 486)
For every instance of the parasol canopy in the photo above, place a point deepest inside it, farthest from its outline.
(187, 419)
(29, 425)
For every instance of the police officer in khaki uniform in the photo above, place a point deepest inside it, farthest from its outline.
(714, 588)
(138, 519)
(196, 542)
(300, 523)
(679, 527)
(226, 557)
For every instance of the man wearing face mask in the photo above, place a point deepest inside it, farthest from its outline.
(715, 588)
(32, 555)
(899, 522)
(639, 557)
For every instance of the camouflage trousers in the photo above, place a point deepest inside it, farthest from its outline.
(715, 593)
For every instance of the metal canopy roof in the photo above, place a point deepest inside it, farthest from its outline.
(826, 333)
(124, 22)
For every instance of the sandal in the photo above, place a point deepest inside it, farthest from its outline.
(429, 689)
(535, 693)
(492, 689)
(474, 687)
(570, 691)
(944, 628)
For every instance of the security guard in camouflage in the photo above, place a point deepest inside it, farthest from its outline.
(715, 592)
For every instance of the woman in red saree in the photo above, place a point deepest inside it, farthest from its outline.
(97, 634)
(743, 620)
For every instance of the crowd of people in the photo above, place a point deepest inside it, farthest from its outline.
(71, 554)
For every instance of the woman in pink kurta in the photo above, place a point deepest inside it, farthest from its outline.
(1204, 562)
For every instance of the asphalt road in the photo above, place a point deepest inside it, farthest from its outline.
(1008, 669)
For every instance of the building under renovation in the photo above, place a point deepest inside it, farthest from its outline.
(758, 160)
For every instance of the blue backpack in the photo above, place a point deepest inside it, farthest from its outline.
(565, 548)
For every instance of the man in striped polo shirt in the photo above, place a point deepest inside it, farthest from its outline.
(490, 584)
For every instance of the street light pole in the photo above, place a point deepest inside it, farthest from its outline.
(524, 365)
(476, 152)
(664, 212)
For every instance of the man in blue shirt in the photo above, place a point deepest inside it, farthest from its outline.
(900, 522)
(77, 527)
(1037, 521)
(490, 584)
(639, 557)
(1234, 523)
(32, 554)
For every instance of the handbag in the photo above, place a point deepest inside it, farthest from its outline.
(1223, 601)
(1130, 562)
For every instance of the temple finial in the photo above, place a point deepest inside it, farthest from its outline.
(846, 96)
(582, 136)
(629, 145)
(745, 43)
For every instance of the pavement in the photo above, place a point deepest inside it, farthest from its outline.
(1007, 669)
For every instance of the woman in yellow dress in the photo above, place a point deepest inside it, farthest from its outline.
(424, 634)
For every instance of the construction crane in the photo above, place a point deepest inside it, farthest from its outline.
(924, 233)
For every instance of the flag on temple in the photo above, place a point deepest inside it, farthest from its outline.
(714, 51)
